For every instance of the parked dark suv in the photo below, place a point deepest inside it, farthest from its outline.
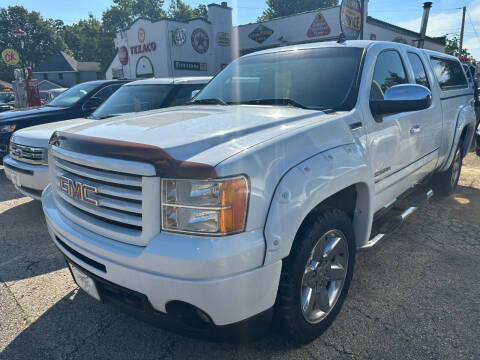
(78, 101)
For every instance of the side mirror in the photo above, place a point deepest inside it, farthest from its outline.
(402, 98)
(194, 93)
(92, 104)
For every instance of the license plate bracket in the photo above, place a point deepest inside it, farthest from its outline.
(85, 282)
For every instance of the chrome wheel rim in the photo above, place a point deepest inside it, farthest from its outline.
(456, 168)
(324, 276)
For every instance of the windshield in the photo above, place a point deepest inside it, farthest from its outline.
(72, 95)
(133, 98)
(313, 78)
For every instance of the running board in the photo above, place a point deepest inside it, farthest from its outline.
(399, 212)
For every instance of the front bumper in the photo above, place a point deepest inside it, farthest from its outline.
(29, 179)
(188, 272)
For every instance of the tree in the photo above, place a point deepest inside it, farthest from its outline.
(124, 12)
(42, 40)
(452, 47)
(179, 10)
(278, 8)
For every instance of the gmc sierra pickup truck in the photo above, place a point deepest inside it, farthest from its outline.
(248, 205)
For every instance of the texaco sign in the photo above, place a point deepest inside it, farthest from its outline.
(200, 40)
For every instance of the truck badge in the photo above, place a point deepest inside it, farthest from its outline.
(77, 190)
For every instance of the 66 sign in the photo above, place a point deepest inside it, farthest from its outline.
(10, 57)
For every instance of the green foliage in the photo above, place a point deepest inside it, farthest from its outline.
(90, 39)
(124, 12)
(452, 47)
(179, 10)
(279, 8)
(42, 40)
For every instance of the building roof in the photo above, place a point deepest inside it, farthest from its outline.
(62, 62)
(439, 40)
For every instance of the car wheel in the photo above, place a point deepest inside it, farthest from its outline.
(445, 183)
(316, 275)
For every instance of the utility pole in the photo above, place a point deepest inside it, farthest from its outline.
(462, 29)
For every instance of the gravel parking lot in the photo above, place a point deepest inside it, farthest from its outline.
(415, 296)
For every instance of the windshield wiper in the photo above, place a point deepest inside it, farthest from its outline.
(212, 101)
(283, 101)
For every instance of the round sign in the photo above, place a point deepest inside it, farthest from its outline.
(10, 57)
(141, 35)
(123, 55)
(351, 18)
(179, 37)
(200, 40)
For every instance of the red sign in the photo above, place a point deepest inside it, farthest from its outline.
(19, 32)
(140, 49)
(319, 27)
(123, 55)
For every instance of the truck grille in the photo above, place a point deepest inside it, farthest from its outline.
(116, 208)
(27, 154)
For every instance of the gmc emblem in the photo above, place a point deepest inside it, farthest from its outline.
(77, 190)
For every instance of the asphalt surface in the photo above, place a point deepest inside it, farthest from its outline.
(414, 296)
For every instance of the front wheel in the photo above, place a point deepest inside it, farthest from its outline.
(316, 275)
(446, 182)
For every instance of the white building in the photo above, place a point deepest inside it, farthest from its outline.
(170, 48)
(203, 47)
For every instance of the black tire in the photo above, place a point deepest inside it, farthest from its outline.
(288, 315)
(445, 183)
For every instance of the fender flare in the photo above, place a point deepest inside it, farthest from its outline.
(307, 185)
(466, 119)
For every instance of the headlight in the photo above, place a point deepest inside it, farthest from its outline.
(209, 207)
(7, 128)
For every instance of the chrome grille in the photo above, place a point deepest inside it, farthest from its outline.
(119, 201)
(28, 154)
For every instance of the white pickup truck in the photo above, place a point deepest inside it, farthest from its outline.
(250, 203)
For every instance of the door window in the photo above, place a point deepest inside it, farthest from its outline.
(418, 70)
(105, 93)
(389, 71)
(449, 74)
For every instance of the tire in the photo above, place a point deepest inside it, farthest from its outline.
(445, 183)
(316, 236)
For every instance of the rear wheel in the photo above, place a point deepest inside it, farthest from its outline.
(445, 183)
(316, 276)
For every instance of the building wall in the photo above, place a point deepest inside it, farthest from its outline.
(87, 76)
(169, 48)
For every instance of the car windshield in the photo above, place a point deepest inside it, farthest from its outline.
(312, 78)
(72, 95)
(133, 98)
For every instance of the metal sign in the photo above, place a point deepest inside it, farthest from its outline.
(10, 57)
(179, 37)
(141, 35)
(123, 55)
(260, 34)
(200, 40)
(223, 39)
(319, 26)
(186, 65)
(351, 18)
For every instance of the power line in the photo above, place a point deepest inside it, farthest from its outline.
(473, 26)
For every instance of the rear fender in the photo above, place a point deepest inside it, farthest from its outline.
(307, 185)
(466, 120)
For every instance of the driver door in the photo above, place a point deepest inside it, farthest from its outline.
(395, 146)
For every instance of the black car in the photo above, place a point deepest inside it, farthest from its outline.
(78, 101)
(7, 101)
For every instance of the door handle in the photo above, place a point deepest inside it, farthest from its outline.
(416, 129)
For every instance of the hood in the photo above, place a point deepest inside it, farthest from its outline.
(14, 115)
(39, 135)
(204, 134)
